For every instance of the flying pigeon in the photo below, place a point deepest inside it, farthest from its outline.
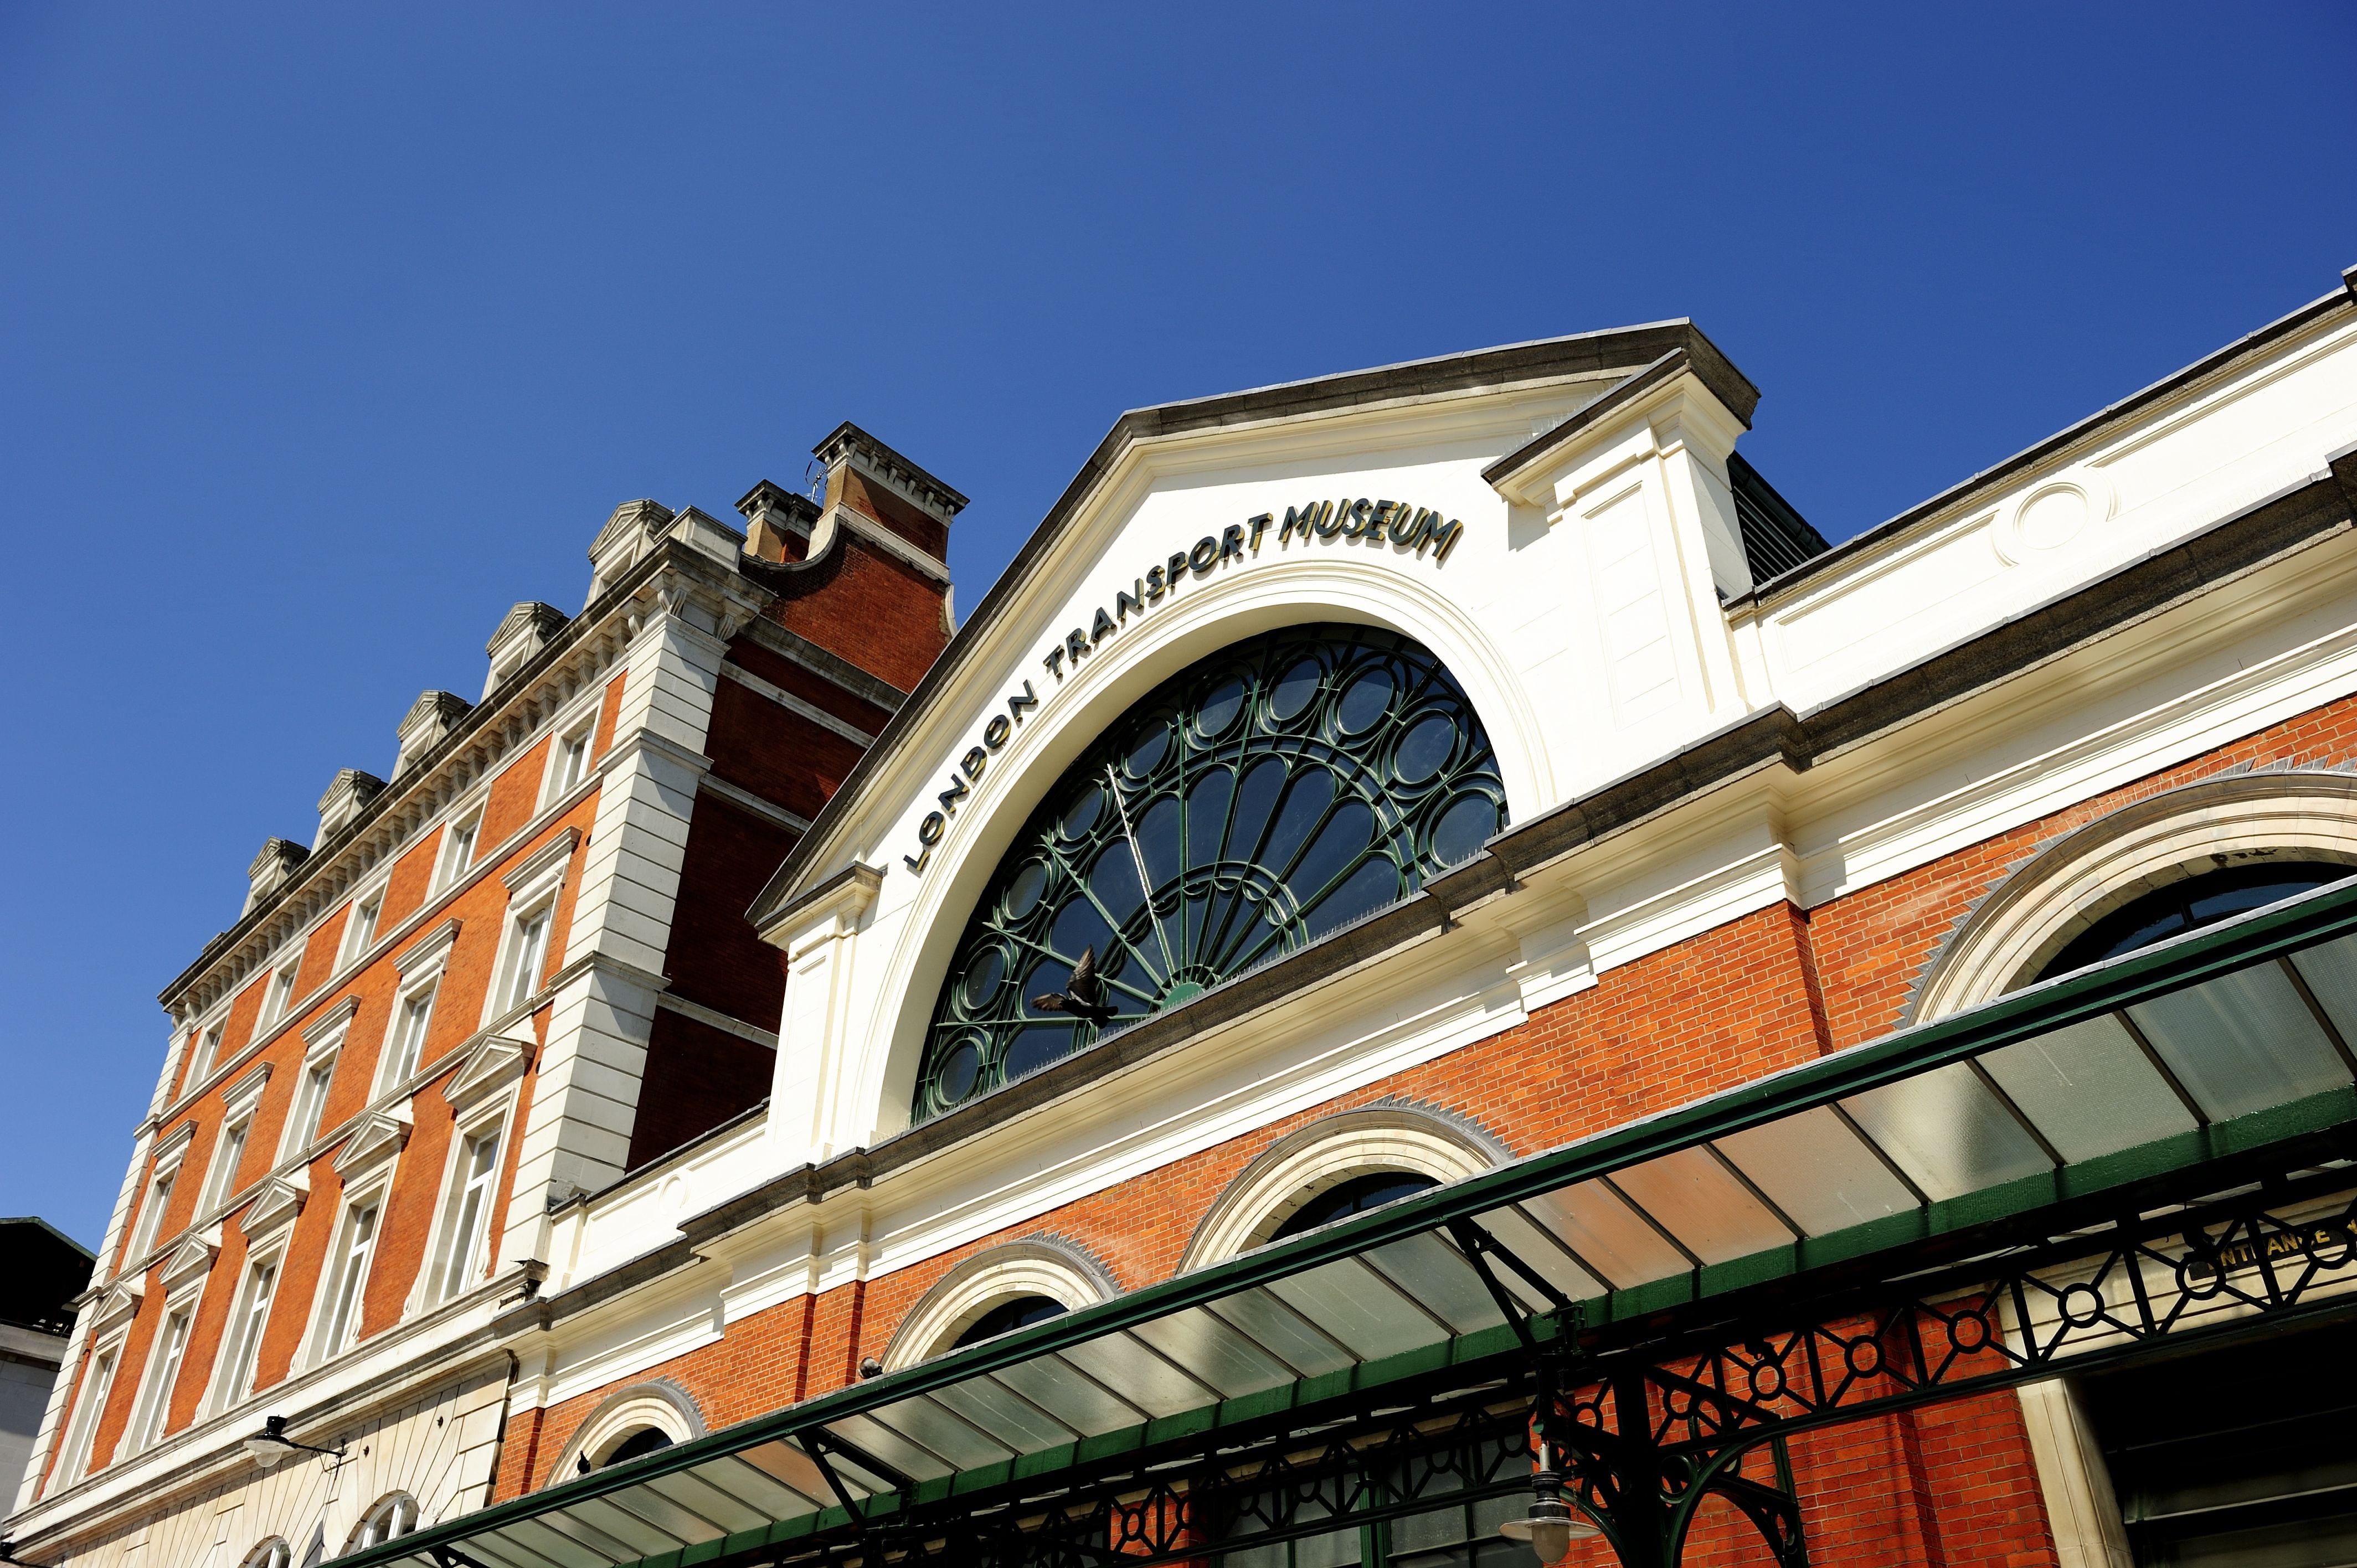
(1084, 995)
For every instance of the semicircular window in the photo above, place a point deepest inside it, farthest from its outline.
(1278, 789)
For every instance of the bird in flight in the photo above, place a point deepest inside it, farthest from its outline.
(1084, 995)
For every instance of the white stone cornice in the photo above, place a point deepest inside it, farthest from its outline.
(711, 1019)
(832, 908)
(746, 801)
(193, 1257)
(799, 707)
(317, 1031)
(429, 950)
(493, 1064)
(246, 1089)
(376, 1137)
(275, 1206)
(549, 857)
(623, 753)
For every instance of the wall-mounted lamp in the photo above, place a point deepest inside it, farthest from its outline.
(271, 1447)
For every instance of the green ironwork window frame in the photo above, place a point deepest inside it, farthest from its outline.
(1268, 795)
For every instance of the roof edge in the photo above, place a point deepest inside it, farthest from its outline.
(1495, 369)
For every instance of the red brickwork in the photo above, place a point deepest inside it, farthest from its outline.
(697, 1077)
(715, 959)
(862, 603)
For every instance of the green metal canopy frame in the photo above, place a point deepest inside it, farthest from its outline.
(2155, 1149)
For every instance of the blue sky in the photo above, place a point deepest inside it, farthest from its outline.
(330, 332)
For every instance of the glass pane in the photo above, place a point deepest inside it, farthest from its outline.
(1510, 1228)
(1947, 1132)
(1694, 1199)
(795, 1470)
(2330, 971)
(2241, 1042)
(928, 1425)
(552, 1546)
(763, 1491)
(497, 1551)
(566, 1521)
(1148, 1380)
(1064, 1394)
(692, 1493)
(1817, 1171)
(1607, 1234)
(664, 1514)
(608, 1521)
(1358, 1309)
(888, 1445)
(1440, 1279)
(1001, 1414)
(1238, 1359)
(1283, 1333)
(2088, 1089)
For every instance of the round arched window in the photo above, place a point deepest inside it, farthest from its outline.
(1020, 1312)
(1276, 791)
(2188, 905)
(1356, 1196)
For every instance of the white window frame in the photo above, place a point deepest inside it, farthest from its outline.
(307, 1112)
(241, 1103)
(249, 1319)
(220, 1174)
(151, 1414)
(323, 1341)
(452, 861)
(370, 902)
(389, 1519)
(204, 1050)
(533, 886)
(146, 1230)
(448, 1274)
(564, 778)
(390, 1072)
(278, 994)
(524, 955)
(90, 1404)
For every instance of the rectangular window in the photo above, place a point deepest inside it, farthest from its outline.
(408, 1045)
(206, 1053)
(469, 1216)
(310, 1102)
(359, 933)
(459, 847)
(220, 1180)
(572, 762)
(95, 1390)
(282, 992)
(347, 1280)
(527, 950)
(151, 1213)
(243, 1352)
(162, 1370)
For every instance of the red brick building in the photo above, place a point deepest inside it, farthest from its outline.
(1305, 1005)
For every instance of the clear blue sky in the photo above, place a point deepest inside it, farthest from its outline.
(330, 331)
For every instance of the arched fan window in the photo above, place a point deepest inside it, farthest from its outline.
(1281, 788)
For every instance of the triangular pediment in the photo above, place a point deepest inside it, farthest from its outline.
(276, 1203)
(378, 1136)
(494, 1063)
(121, 1300)
(193, 1256)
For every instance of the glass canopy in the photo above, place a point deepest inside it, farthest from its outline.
(2232, 1039)
(1268, 795)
